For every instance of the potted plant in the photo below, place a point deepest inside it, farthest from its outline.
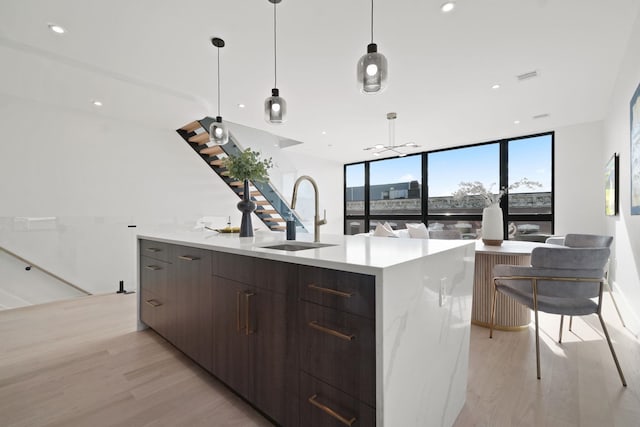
(247, 166)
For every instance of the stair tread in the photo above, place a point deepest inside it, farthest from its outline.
(201, 138)
(262, 202)
(278, 227)
(190, 127)
(216, 162)
(251, 193)
(274, 219)
(267, 211)
(212, 151)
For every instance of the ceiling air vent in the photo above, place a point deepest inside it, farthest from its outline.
(527, 76)
(541, 116)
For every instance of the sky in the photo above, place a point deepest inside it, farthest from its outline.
(528, 158)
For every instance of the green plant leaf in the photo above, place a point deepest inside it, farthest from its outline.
(248, 165)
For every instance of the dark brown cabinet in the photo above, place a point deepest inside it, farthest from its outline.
(297, 342)
(255, 344)
(325, 406)
(336, 328)
(156, 306)
(191, 289)
(176, 301)
(230, 352)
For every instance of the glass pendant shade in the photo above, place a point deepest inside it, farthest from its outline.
(372, 71)
(218, 133)
(275, 108)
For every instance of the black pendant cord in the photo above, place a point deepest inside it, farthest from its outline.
(275, 50)
(219, 82)
(372, 21)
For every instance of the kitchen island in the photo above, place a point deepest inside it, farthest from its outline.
(368, 331)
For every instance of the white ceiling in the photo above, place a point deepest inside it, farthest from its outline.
(151, 62)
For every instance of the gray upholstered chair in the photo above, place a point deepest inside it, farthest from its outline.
(589, 241)
(564, 281)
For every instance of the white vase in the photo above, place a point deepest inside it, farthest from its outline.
(492, 226)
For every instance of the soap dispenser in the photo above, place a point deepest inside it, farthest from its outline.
(291, 227)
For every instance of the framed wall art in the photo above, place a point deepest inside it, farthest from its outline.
(611, 185)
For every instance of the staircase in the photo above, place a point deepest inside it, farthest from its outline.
(271, 207)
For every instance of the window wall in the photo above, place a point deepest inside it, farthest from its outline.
(447, 189)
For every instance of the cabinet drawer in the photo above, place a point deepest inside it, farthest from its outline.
(275, 276)
(192, 259)
(156, 250)
(154, 275)
(339, 348)
(235, 267)
(342, 290)
(154, 312)
(324, 406)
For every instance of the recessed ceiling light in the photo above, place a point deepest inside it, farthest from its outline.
(241, 105)
(97, 103)
(495, 86)
(411, 144)
(541, 116)
(516, 122)
(57, 29)
(378, 146)
(448, 7)
(324, 132)
(376, 154)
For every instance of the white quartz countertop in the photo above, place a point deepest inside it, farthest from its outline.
(360, 254)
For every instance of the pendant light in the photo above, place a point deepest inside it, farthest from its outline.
(275, 107)
(391, 117)
(372, 67)
(218, 132)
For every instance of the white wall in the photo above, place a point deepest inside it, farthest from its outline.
(579, 183)
(625, 227)
(95, 176)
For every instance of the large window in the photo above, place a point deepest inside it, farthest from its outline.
(449, 169)
(394, 186)
(432, 187)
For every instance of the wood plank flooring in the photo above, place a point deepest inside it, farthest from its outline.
(82, 363)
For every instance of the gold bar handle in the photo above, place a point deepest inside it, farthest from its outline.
(330, 291)
(188, 258)
(238, 302)
(247, 328)
(153, 303)
(154, 250)
(153, 267)
(348, 422)
(315, 325)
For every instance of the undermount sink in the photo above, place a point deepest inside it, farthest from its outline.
(296, 246)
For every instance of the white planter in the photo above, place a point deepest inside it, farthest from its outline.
(492, 226)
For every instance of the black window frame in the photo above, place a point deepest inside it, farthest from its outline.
(424, 216)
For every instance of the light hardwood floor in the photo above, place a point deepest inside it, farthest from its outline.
(82, 363)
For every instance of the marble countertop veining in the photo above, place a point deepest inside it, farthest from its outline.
(360, 254)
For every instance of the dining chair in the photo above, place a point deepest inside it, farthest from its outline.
(563, 280)
(588, 241)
